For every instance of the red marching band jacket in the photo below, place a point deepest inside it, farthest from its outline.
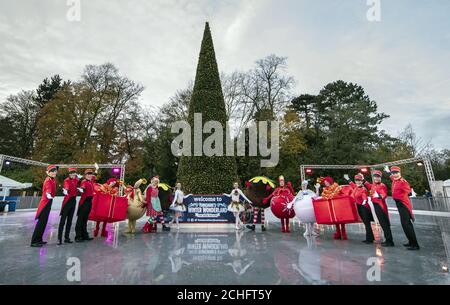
(360, 194)
(382, 191)
(88, 190)
(400, 191)
(71, 185)
(48, 187)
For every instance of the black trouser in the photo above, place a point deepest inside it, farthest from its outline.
(366, 216)
(67, 217)
(42, 223)
(384, 222)
(407, 223)
(82, 220)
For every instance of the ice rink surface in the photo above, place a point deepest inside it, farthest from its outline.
(222, 256)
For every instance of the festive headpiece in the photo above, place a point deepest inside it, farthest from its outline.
(359, 177)
(377, 173)
(52, 168)
(327, 179)
(72, 170)
(395, 169)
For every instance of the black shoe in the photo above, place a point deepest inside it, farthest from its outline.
(88, 238)
(263, 228)
(407, 245)
(368, 242)
(59, 242)
(251, 227)
(36, 245)
(388, 244)
(79, 240)
(414, 248)
(42, 243)
(68, 241)
(166, 228)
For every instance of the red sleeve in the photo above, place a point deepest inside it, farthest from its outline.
(406, 187)
(383, 192)
(66, 184)
(47, 186)
(368, 185)
(83, 184)
(352, 184)
(392, 178)
(365, 194)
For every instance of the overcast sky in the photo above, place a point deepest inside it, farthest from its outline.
(403, 61)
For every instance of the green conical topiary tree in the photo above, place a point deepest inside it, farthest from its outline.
(207, 175)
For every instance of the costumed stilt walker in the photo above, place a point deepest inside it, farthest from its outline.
(45, 206)
(258, 189)
(304, 209)
(279, 201)
(68, 207)
(178, 204)
(378, 193)
(236, 207)
(136, 206)
(360, 195)
(331, 190)
(85, 206)
(154, 209)
(111, 187)
(400, 193)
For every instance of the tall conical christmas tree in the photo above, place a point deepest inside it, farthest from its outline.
(202, 174)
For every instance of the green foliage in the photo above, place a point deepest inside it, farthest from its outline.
(207, 175)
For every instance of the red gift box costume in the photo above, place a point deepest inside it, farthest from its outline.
(400, 193)
(45, 205)
(378, 193)
(84, 207)
(108, 188)
(279, 201)
(68, 207)
(330, 191)
(360, 196)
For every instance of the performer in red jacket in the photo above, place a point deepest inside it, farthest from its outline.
(45, 205)
(400, 193)
(70, 191)
(378, 193)
(360, 196)
(84, 207)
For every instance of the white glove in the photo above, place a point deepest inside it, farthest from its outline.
(370, 200)
(317, 186)
(364, 202)
(290, 204)
(79, 176)
(346, 177)
(80, 190)
(65, 192)
(49, 196)
(387, 170)
(376, 195)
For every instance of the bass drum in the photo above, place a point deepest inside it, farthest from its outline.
(304, 209)
(279, 207)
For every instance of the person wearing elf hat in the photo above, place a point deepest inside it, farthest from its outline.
(332, 189)
(400, 193)
(110, 187)
(84, 207)
(378, 193)
(45, 206)
(361, 196)
(154, 209)
(70, 191)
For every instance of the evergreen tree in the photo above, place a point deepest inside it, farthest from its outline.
(207, 175)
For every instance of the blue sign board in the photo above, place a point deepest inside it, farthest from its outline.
(207, 209)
